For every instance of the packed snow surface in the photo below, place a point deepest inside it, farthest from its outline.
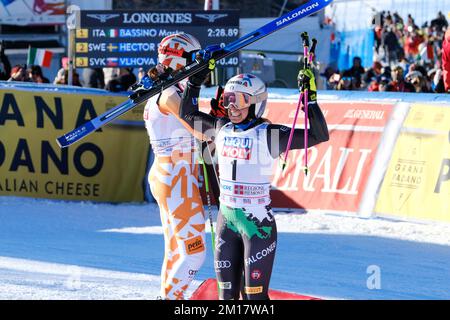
(81, 250)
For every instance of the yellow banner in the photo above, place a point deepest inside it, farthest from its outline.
(108, 165)
(417, 183)
(428, 117)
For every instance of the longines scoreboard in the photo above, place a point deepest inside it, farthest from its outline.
(130, 38)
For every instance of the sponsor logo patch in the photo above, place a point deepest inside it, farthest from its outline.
(238, 189)
(219, 242)
(194, 245)
(192, 273)
(225, 264)
(225, 285)
(243, 190)
(253, 290)
(226, 187)
(255, 274)
(237, 148)
(261, 254)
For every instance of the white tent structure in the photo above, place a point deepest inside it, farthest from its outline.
(352, 15)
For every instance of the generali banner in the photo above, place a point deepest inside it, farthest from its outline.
(339, 168)
(108, 165)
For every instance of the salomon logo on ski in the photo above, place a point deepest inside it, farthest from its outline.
(304, 11)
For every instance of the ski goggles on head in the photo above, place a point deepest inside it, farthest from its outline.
(242, 100)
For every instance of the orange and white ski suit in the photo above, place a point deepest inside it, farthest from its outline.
(173, 180)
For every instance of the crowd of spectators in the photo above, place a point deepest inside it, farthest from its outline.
(407, 58)
(111, 79)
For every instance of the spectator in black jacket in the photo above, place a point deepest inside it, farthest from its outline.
(122, 83)
(93, 78)
(372, 74)
(390, 44)
(356, 71)
(5, 65)
(440, 23)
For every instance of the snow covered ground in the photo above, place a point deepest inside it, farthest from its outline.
(78, 250)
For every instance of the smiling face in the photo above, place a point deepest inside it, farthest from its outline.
(244, 97)
(237, 115)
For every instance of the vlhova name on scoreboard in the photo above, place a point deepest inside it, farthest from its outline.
(121, 62)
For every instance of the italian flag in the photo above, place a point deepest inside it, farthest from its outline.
(39, 57)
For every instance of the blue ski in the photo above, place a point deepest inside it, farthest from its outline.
(90, 126)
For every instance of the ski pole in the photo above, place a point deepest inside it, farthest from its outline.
(208, 200)
(306, 97)
(303, 93)
(305, 103)
(291, 133)
(306, 60)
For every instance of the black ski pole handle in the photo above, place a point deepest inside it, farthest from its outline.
(305, 41)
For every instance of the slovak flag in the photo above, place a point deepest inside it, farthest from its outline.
(112, 62)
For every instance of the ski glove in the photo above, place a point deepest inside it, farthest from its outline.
(208, 54)
(200, 77)
(307, 80)
(217, 109)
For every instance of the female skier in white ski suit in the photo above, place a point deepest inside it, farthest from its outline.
(247, 146)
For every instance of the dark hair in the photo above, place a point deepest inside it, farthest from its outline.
(347, 74)
(36, 70)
